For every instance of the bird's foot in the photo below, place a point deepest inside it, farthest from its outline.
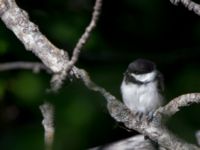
(139, 115)
(148, 116)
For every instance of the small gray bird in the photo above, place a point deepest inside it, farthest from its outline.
(141, 88)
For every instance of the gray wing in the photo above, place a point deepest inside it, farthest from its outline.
(160, 79)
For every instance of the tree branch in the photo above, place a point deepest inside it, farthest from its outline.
(137, 142)
(84, 38)
(188, 4)
(181, 101)
(35, 66)
(83, 75)
(58, 79)
(48, 114)
(28, 33)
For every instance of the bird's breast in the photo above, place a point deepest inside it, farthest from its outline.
(141, 97)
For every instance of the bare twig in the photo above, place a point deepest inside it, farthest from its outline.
(58, 79)
(181, 101)
(35, 66)
(83, 75)
(84, 38)
(47, 110)
(188, 4)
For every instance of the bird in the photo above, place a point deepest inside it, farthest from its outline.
(142, 88)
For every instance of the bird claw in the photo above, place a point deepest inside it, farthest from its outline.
(139, 115)
(148, 116)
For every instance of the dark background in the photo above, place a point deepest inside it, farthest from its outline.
(153, 29)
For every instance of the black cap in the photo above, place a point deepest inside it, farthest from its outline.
(141, 66)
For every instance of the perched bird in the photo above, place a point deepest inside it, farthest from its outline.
(142, 88)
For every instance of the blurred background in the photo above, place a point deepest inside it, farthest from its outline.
(153, 29)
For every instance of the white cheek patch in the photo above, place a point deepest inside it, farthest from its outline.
(144, 77)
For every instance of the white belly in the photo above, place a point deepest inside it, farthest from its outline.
(142, 98)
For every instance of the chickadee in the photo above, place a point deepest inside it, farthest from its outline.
(141, 88)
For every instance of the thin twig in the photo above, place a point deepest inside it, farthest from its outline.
(35, 66)
(83, 75)
(47, 110)
(84, 38)
(188, 4)
(181, 101)
(58, 79)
